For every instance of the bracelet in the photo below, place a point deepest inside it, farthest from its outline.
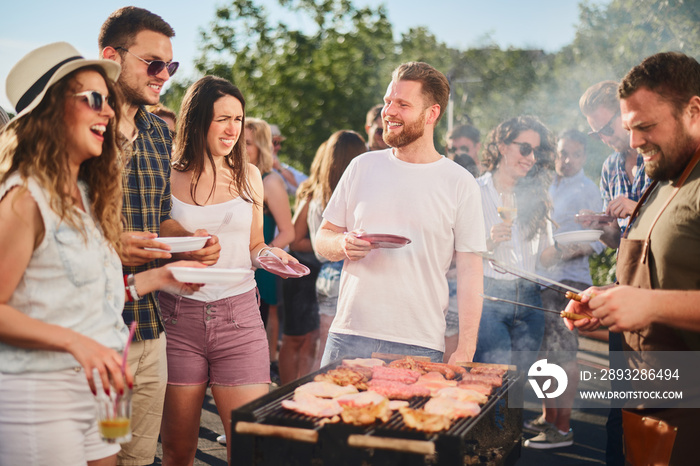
(131, 282)
(260, 253)
(129, 298)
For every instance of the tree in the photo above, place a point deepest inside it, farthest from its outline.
(309, 83)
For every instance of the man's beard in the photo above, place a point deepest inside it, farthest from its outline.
(671, 162)
(131, 95)
(409, 133)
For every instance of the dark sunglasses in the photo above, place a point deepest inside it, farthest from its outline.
(606, 130)
(526, 149)
(95, 100)
(156, 66)
(458, 150)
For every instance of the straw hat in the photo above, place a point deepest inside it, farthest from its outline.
(40, 69)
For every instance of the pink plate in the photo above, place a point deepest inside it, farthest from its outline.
(276, 266)
(385, 240)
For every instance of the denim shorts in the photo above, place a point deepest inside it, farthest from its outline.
(340, 345)
(510, 334)
(327, 287)
(221, 342)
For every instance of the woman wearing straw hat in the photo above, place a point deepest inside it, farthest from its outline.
(61, 285)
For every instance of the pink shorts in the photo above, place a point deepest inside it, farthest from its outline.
(221, 342)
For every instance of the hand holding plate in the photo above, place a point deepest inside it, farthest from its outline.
(134, 250)
(356, 248)
(209, 254)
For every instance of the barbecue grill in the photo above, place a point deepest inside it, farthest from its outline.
(264, 433)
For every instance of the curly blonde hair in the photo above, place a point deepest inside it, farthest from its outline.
(35, 147)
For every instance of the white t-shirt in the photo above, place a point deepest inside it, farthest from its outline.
(401, 295)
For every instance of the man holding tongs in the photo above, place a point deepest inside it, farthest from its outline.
(658, 264)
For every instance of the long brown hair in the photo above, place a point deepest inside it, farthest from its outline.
(531, 191)
(341, 148)
(35, 146)
(196, 115)
(306, 188)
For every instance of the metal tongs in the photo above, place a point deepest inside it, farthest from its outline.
(570, 293)
(563, 314)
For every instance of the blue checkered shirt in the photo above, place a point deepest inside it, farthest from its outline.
(147, 204)
(614, 182)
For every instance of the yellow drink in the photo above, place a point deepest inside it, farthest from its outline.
(115, 428)
(507, 213)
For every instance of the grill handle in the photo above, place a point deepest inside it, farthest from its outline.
(266, 430)
(422, 447)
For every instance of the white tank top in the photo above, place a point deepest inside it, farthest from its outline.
(233, 237)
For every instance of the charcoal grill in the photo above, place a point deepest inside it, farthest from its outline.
(266, 434)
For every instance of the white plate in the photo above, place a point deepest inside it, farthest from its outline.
(182, 243)
(209, 275)
(580, 236)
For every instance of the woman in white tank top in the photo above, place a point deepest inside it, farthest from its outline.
(216, 336)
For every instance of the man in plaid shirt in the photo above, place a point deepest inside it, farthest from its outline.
(140, 42)
(622, 179)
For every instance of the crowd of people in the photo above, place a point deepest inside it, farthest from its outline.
(94, 171)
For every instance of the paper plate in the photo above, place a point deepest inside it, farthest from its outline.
(276, 266)
(208, 275)
(182, 243)
(580, 236)
(385, 240)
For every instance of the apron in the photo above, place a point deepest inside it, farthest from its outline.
(653, 436)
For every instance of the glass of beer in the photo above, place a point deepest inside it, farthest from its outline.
(114, 416)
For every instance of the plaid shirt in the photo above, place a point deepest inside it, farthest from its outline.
(614, 182)
(147, 203)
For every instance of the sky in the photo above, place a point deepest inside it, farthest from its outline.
(540, 24)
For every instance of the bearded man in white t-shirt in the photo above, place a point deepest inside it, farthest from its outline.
(394, 300)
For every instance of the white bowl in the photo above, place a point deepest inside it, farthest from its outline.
(182, 243)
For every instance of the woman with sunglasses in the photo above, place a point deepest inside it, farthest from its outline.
(518, 158)
(215, 337)
(61, 285)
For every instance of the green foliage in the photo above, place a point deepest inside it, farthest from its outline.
(603, 267)
(310, 84)
(314, 82)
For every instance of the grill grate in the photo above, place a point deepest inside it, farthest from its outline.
(465, 436)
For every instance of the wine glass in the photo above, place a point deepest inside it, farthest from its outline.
(508, 211)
